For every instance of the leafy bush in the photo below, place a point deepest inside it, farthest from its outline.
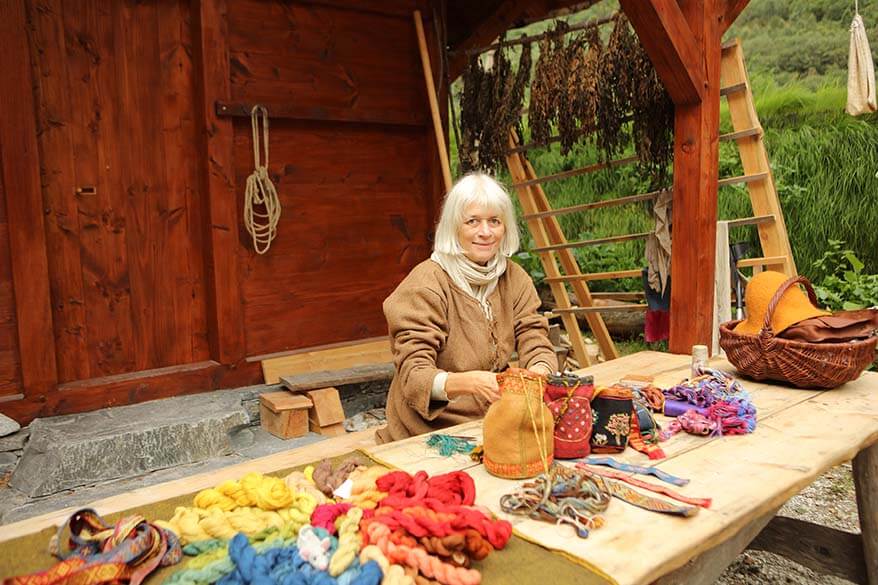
(532, 264)
(842, 284)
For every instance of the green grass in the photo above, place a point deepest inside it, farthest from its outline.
(825, 166)
(629, 346)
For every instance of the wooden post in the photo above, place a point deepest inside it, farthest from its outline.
(217, 180)
(695, 192)
(672, 46)
(866, 484)
(434, 104)
(20, 174)
(696, 157)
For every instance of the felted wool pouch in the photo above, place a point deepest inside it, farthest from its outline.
(518, 427)
(612, 408)
(569, 399)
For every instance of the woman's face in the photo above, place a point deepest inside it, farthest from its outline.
(480, 233)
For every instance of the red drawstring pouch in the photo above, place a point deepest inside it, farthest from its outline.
(569, 400)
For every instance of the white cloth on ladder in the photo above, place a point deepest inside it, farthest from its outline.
(861, 72)
(658, 243)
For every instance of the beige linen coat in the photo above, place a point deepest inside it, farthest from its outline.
(435, 326)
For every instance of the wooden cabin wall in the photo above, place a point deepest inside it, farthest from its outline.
(133, 190)
(353, 194)
(10, 363)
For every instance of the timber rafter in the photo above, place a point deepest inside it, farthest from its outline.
(671, 46)
(730, 13)
(505, 15)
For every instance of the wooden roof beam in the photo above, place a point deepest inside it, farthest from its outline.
(671, 47)
(730, 13)
(507, 14)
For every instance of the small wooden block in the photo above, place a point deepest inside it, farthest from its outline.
(283, 400)
(284, 414)
(329, 430)
(327, 409)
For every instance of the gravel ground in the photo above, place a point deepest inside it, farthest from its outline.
(829, 501)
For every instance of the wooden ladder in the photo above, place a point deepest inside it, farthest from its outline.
(748, 135)
(552, 247)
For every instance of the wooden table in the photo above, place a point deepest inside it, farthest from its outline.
(800, 435)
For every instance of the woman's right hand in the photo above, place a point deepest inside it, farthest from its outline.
(476, 382)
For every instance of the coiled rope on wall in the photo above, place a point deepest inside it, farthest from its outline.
(262, 207)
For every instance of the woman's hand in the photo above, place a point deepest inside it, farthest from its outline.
(477, 382)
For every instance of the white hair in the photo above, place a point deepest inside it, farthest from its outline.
(481, 189)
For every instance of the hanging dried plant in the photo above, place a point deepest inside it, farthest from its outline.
(516, 97)
(550, 75)
(585, 103)
(585, 89)
(470, 117)
(491, 105)
(652, 120)
(577, 109)
(572, 60)
(613, 95)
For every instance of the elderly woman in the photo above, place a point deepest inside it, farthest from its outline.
(456, 318)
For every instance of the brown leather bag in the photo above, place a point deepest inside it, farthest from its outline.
(839, 327)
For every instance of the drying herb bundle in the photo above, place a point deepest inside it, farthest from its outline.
(577, 116)
(471, 115)
(652, 120)
(491, 104)
(581, 88)
(613, 94)
(550, 76)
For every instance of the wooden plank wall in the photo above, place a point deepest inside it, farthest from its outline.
(153, 287)
(354, 215)
(10, 370)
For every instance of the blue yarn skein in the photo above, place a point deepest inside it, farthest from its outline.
(283, 565)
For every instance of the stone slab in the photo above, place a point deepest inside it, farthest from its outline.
(8, 462)
(15, 506)
(15, 441)
(69, 451)
(8, 426)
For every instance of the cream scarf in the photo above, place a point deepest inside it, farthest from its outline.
(477, 280)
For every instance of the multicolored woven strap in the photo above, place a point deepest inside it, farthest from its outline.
(639, 469)
(101, 553)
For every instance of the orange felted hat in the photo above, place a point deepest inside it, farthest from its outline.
(794, 305)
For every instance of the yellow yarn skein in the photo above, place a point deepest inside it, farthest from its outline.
(364, 478)
(254, 489)
(364, 493)
(195, 524)
(367, 500)
(186, 523)
(393, 574)
(349, 541)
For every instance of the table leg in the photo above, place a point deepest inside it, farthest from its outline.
(706, 568)
(866, 483)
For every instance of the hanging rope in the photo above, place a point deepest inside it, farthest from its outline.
(261, 204)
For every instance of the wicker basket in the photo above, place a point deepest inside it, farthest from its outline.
(805, 365)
